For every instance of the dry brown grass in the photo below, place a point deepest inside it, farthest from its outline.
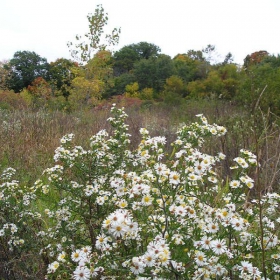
(28, 139)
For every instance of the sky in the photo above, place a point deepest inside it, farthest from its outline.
(237, 26)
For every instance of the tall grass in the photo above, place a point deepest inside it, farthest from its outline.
(28, 138)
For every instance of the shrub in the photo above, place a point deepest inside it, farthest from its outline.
(144, 214)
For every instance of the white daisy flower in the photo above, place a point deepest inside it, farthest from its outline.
(81, 273)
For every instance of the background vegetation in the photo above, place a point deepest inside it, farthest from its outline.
(139, 70)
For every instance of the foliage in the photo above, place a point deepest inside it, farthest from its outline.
(255, 58)
(152, 72)
(24, 68)
(87, 46)
(61, 74)
(94, 76)
(222, 82)
(146, 50)
(40, 88)
(259, 86)
(147, 94)
(124, 60)
(132, 90)
(91, 81)
(84, 92)
(120, 83)
(98, 73)
(186, 68)
(174, 84)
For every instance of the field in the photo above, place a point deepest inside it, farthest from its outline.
(55, 203)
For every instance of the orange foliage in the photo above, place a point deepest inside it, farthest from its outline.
(40, 88)
(255, 58)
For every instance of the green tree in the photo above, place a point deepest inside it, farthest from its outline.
(146, 50)
(230, 75)
(195, 55)
(92, 80)
(61, 75)
(85, 92)
(125, 58)
(201, 60)
(100, 66)
(186, 68)
(24, 68)
(259, 86)
(273, 60)
(153, 72)
(120, 83)
(221, 82)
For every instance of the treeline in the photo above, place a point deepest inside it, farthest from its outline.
(140, 71)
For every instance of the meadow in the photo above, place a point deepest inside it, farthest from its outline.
(160, 193)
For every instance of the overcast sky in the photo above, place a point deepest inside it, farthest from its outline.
(237, 26)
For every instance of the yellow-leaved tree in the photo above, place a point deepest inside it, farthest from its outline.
(95, 60)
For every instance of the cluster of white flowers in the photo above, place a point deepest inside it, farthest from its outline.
(15, 214)
(120, 224)
(157, 255)
(149, 215)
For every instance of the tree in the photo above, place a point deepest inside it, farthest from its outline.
(174, 84)
(195, 55)
(40, 90)
(120, 83)
(228, 59)
(24, 68)
(202, 59)
(273, 60)
(186, 68)
(92, 80)
(90, 51)
(146, 50)
(222, 82)
(85, 92)
(209, 53)
(61, 74)
(100, 66)
(125, 58)
(95, 39)
(260, 85)
(153, 72)
(255, 58)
